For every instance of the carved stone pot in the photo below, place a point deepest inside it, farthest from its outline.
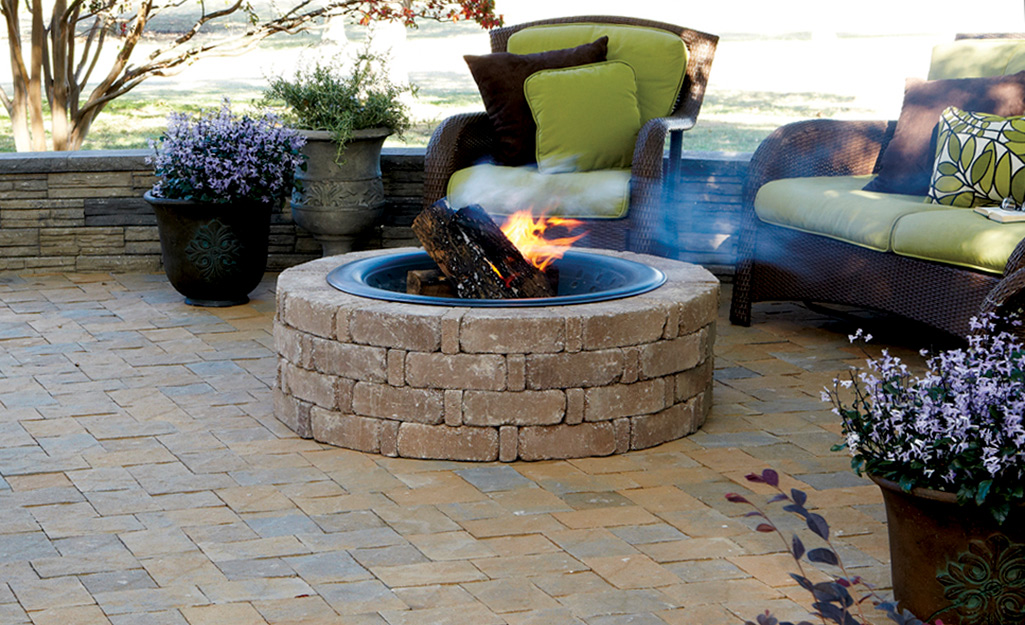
(213, 254)
(954, 562)
(341, 193)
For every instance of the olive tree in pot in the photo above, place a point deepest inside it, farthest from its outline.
(220, 176)
(345, 117)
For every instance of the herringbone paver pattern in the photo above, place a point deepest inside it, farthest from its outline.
(144, 480)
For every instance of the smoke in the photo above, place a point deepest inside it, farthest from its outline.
(505, 190)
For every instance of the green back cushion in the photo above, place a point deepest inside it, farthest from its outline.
(970, 58)
(658, 57)
(587, 117)
(837, 207)
(958, 237)
(501, 190)
(980, 159)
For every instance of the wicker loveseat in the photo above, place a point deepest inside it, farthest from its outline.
(469, 141)
(803, 235)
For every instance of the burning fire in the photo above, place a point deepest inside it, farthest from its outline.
(528, 235)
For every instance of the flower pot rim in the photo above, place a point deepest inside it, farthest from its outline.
(378, 132)
(167, 201)
(925, 493)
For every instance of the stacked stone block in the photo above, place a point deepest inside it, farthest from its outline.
(83, 211)
(487, 384)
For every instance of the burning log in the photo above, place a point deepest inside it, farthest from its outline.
(475, 256)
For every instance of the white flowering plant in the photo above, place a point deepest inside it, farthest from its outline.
(957, 428)
(219, 157)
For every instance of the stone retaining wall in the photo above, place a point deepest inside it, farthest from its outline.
(83, 211)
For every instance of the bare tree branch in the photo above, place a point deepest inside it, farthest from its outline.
(60, 66)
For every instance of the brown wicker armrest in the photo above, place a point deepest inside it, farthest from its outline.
(460, 141)
(651, 141)
(818, 147)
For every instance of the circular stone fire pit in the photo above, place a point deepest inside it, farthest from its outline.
(495, 383)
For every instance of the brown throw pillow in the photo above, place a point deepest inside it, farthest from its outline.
(906, 164)
(500, 79)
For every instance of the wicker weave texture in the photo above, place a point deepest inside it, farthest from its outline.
(776, 263)
(464, 140)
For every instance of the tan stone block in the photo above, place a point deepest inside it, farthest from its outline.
(621, 324)
(624, 400)
(508, 443)
(703, 407)
(417, 440)
(580, 369)
(456, 371)
(342, 318)
(697, 380)
(359, 362)
(453, 407)
(671, 356)
(396, 367)
(346, 430)
(91, 179)
(403, 326)
(516, 364)
(389, 438)
(491, 408)
(698, 308)
(450, 323)
(672, 329)
(566, 441)
(631, 365)
(400, 403)
(574, 334)
(621, 429)
(668, 425)
(574, 406)
(509, 331)
(293, 413)
(294, 346)
(326, 391)
(312, 314)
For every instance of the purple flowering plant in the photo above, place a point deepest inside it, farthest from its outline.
(219, 157)
(957, 428)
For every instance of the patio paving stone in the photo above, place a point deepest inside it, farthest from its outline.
(144, 479)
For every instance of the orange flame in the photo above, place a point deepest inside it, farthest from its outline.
(528, 235)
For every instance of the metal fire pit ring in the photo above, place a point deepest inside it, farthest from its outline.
(584, 277)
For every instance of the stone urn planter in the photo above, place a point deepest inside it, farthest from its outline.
(341, 194)
(213, 254)
(954, 562)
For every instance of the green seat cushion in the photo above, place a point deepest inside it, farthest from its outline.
(586, 116)
(837, 207)
(502, 190)
(958, 237)
(973, 58)
(658, 57)
(980, 159)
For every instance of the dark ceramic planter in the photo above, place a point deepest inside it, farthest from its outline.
(954, 562)
(213, 254)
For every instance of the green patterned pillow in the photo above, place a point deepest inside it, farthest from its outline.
(980, 159)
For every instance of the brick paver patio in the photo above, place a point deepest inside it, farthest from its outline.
(144, 480)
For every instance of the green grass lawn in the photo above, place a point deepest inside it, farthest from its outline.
(732, 120)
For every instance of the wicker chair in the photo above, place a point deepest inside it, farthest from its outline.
(463, 140)
(777, 263)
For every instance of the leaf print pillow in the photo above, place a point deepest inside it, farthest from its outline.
(980, 159)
